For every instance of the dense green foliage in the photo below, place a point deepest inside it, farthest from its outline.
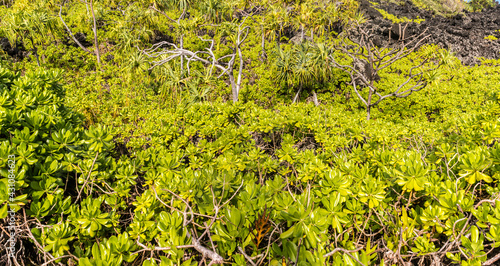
(122, 163)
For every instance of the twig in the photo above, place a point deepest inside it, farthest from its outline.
(331, 253)
(64, 256)
(215, 258)
(88, 176)
(348, 252)
(145, 248)
(32, 237)
(246, 256)
(492, 260)
(69, 31)
(298, 252)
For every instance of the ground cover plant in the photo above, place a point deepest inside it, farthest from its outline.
(236, 132)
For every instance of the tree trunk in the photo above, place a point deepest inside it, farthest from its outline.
(234, 88)
(263, 54)
(302, 36)
(369, 103)
(35, 51)
(95, 34)
(36, 56)
(237, 87)
(277, 39)
(297, 96)
(315, 98)
(181, 43)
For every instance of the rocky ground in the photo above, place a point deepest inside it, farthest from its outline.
(17, 51)
(464, 34)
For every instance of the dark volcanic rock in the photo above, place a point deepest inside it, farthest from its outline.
(18, 51)
(161, 37)
(463, 34)
(82, 39)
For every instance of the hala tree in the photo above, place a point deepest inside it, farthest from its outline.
(367, 60)
(28, 25)
(304, 66)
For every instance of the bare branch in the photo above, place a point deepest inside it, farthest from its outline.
(69, 31)
(158, 50)
(348, 252)
(213, 256)
(88, 176)
(368, 60)
(163, 13)
(246, 256)
(98, 54)
(216, 258)
(145, 248)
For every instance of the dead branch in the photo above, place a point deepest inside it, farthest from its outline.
(145, 248)
(87, 179)
(69, 31)
(213, 256)
(32, 238)
(94, 29)
(206, 57)
(348, 252)
(368, 60)
(492, 260)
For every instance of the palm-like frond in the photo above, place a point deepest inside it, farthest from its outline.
(214, 10)
(321, 62)
(284, 65)
(303, 67)
(137, 61)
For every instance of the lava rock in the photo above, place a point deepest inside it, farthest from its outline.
(463, 33)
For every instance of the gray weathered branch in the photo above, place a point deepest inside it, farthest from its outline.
(368, 60)
(69, 31)
(158, 51)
